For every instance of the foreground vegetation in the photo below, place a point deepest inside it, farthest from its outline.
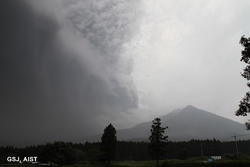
(170, 163)
(112, 153)
(243, 160)
(69, 153)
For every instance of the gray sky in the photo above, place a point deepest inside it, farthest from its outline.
(68, 68)
(188, 52)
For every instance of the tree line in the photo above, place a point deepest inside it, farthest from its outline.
(62, 152)
(158, 147)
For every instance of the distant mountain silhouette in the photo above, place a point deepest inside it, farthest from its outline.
(186, 124)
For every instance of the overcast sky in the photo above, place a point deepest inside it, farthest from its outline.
(69, 67)
(188, 52)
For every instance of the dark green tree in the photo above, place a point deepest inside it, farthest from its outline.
(108, 144)
(157, 140)
(244, 106)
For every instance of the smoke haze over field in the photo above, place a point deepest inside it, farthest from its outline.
(69, 67)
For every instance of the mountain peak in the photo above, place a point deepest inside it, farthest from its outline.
(190, 107)
(189, 123)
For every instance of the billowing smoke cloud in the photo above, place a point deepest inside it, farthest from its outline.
(62, 68)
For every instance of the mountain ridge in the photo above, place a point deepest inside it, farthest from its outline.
(186, 124)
